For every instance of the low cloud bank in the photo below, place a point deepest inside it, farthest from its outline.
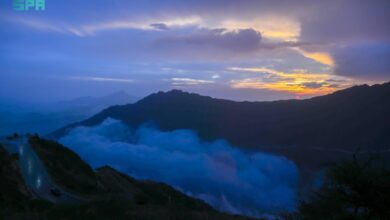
(224, 176)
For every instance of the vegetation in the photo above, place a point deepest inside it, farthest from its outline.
(355, 189)
(14, 194)
(127, 198)
(13, 136)
(112, 195)
(148, 192)
(118, 208)
(66, 167)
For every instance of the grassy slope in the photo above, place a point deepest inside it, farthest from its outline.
(127, 198)
(66, 167)
(114, 195)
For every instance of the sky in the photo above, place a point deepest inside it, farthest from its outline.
(240, 50)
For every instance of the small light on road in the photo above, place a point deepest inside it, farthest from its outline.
(39, 182)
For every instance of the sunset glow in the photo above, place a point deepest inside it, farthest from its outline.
(298, 83)
(234, 50)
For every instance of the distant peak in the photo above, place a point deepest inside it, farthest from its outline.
(176, 91)
(173, 92)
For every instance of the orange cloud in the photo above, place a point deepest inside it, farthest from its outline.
(299, 83)
(295, 88)
(273, 27)
(320, 57)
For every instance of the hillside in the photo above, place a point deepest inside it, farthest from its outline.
(14, 194)
(108, 193)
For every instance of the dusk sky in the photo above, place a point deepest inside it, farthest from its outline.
(241, 50)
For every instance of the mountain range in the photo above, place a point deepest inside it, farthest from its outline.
(311, 132)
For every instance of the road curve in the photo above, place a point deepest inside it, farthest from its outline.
(35, 175)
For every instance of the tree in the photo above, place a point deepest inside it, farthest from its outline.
(354, 189)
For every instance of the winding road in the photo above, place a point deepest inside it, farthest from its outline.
(35, 175)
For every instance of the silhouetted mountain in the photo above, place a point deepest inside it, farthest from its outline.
(308, 131)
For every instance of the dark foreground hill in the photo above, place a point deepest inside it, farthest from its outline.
(108, 194)
(310, 132)
(353, 189)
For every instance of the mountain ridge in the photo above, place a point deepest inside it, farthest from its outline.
(350, 119)
(164, 98)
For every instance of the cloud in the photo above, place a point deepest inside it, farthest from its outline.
(224, 176)
(187, 36)
(364, 61)
(320, 57)
(141, 24)
(189, 82)
(242, 39)
(43, 25)
(298, 82)
(313, 85)
(307, 89)
(196, 43)
(101, 79)
(92, 28)
(230, 40)
(126, 37)
(346, 21)
(160, 26)
(276, 27)
(235, 40)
